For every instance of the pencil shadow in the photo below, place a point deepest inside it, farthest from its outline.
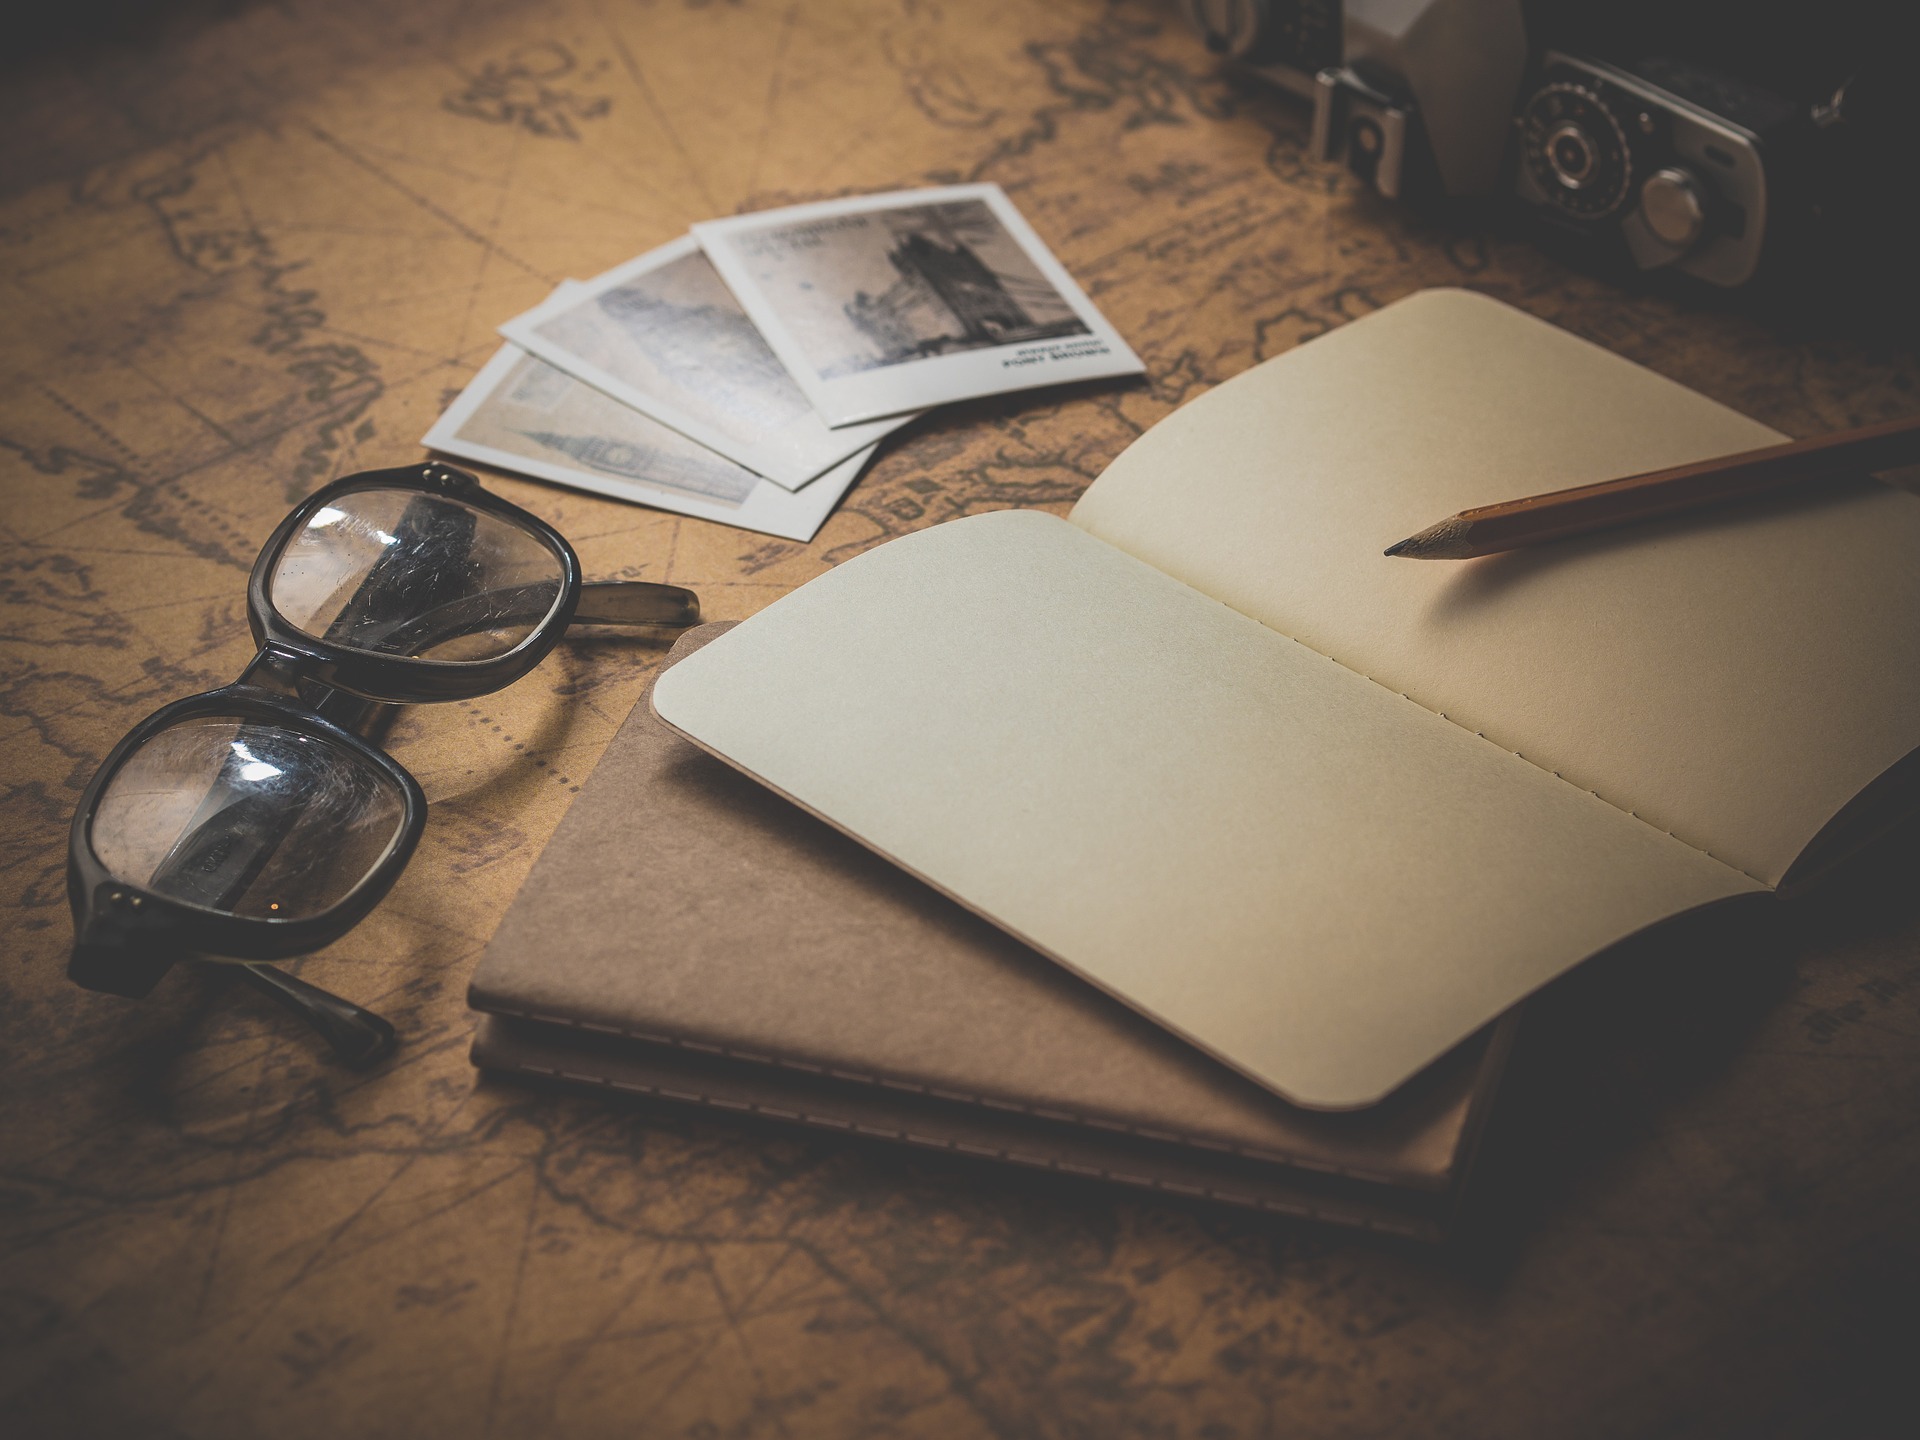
(1499, 579)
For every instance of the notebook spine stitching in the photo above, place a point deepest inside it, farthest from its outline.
(1250, 1152)
(1385, 1225)
(1482, 735)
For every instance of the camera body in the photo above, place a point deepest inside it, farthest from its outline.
(1704, 166)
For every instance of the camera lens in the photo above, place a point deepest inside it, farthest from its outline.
(1576, 151)
(1570, 152)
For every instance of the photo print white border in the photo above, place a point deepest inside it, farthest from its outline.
(767, 508)
(896, 387)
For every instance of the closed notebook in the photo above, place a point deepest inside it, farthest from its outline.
(689, 934)
(1322, 813)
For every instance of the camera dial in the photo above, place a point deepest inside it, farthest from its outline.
(1575, 150)
(1674, 206)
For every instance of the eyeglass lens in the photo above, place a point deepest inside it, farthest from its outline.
(246, 818)
(426, 577)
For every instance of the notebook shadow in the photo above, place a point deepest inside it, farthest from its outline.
(1611, 1054)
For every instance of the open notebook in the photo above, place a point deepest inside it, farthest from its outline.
(1322, 813)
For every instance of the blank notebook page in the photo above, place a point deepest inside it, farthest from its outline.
(1733, 678)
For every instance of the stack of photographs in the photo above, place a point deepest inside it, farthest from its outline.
(747, 372)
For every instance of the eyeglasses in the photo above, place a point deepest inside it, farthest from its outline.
(258, 821)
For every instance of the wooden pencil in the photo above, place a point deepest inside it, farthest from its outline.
(1562, 514)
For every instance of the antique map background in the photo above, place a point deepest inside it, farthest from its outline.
(247, 247)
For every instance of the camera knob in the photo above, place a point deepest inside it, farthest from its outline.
(1674, 206)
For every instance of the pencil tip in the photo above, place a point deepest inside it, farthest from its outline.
(1445, 541)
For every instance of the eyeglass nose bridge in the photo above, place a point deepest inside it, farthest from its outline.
(286, 674)
(279, 671)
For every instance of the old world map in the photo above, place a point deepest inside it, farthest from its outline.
(249, 247)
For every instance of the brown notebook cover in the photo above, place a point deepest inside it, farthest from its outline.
(690, 934)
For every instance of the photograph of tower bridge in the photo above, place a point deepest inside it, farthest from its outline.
(886, 287)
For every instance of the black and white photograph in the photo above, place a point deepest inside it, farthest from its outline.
(663, 334)
(522, 414)
(889, 303)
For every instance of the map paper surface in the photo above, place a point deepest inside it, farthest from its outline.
(256, 247)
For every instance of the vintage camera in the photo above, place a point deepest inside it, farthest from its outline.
(1775, 131)
(1414, 96)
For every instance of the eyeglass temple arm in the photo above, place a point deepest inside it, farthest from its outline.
(213, 864)
(635, 602)
(357, 1035)
(608, 602)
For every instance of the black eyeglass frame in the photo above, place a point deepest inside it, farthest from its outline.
(171, 924)
(127, 937)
